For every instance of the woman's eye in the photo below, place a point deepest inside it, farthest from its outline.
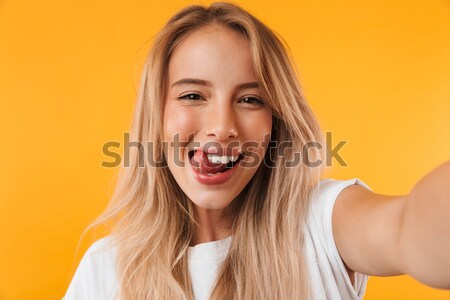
(252, 101)
(191, 97)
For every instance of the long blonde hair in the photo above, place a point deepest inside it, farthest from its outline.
(153, 219)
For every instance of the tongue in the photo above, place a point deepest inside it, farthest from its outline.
(200, 160)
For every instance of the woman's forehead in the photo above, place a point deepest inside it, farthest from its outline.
(214, 52)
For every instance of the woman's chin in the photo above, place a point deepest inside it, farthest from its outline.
(213, 202)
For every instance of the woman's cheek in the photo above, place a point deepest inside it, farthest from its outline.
(180, 123)
(257, 125)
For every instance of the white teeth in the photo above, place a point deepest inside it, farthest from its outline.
(217, 159)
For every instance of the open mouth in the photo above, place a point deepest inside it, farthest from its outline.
(212, 164)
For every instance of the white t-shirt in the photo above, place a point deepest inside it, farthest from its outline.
(95, 278)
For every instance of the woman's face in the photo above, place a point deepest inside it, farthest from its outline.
(214, 114)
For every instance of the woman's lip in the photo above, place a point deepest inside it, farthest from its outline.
(214, 179)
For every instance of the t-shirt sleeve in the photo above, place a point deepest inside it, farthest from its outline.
(95, 276)
(329, 277)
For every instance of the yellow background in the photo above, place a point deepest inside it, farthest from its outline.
(377, 73)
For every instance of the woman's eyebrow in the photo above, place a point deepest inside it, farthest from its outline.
(186, 81)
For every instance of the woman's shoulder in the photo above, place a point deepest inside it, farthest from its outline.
(95, 277)
(102, 252)
(323, 198)
(327, 190)
(321, 250)
(102, 246)
(329, 185)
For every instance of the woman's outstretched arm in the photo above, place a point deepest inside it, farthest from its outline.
(425, 229)
(385, 235)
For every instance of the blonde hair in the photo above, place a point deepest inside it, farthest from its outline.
(152, 216)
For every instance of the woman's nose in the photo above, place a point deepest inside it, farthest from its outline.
(222, 123)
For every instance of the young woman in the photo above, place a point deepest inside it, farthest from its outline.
(221, 208)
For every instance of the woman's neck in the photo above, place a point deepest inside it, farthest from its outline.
(211, 225)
